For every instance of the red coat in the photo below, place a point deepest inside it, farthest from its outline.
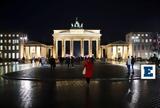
(89, 69)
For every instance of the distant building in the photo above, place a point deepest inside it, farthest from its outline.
(33, 49)
(115, 50)
(11, 46)
(140, 44)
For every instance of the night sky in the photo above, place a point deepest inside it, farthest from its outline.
(115, 18)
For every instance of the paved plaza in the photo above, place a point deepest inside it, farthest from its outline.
(110, 87)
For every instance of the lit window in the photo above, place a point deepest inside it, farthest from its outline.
(25, 38)
(17, 47)
(1, 47)
(132, 37)
(17, 55)
(9, 41)
(150, 40)
(17, 41)
(134, 41)
(9, 35)
(13, 55)
(138, 34)
(142, 34)
(17, 35)
(5, 55)
(13, 35)
(9, 47)
(142, 40)
(9, 55)
(13, 47)
(5, 35)
(13, 41)
(146, 34)
(146, 40)
(1, 35)
(5, 41)
(1, 41)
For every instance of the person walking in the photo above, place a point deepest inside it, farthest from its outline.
(52, 63)
(72, 61)
(89, 70)
(132, 63)
(68, 61)
(128, 63)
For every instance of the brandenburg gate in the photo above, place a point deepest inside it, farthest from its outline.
(64, 41)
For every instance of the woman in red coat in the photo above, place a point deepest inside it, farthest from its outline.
(89, 70)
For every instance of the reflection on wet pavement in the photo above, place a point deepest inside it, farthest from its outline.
(77, 94)
(15, 67)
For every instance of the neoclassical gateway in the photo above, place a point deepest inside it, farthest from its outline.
(76, 42)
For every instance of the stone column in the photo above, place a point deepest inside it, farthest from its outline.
(56, 49)
(82, 47)
(71, 47)
(122, 51)
(116, 51)
(97, 54)
(98, 48)
(102, 52)
(62, 48)
(89, 44)
(35, 51)
(29, 52)
(90, 48)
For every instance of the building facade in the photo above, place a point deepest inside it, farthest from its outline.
(33, 49)
(76, 42)
(115, 50)
(140, 44)
(11, 46)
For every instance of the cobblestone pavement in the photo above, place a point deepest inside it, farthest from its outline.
(66, 88)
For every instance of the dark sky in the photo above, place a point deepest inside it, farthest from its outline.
(114, 18)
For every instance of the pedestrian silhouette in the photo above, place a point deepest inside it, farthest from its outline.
(68, 61)
(72, 61)
(128, 63)
(132, 63)
(52, 63)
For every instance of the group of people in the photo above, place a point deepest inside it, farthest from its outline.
(130, 64)
(70, 61)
